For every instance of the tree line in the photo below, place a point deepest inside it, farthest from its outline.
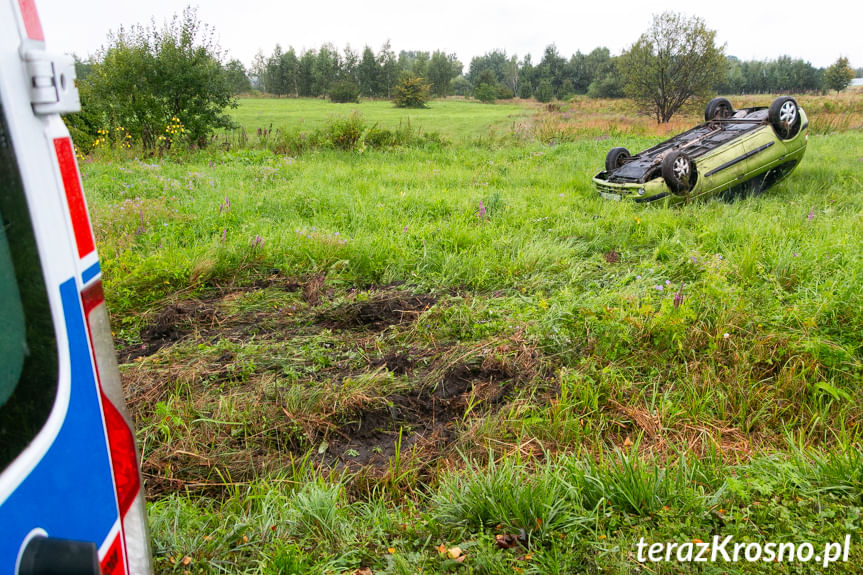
(498, 75)
(159, 85)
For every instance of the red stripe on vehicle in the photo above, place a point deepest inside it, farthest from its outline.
(74, 196)
(113, 562)
(32, 25)
(92, 297)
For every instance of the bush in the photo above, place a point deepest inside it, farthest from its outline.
(345, 133)
(485, 93)
(411, 92)
(344, 92)
(504, 92)
(545, 91)
(146, 77)
(525, 90)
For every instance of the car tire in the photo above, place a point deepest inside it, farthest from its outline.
(615, 158)
(784, 116)
(718, 109)
(678, 171)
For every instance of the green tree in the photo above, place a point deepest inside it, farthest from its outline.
(368, 73)
(486, 86)
(675, 62)
(839, 75)
(289, 70)
(147, 77)
(440, 72)
(389, 70)
(545, 90)
(238, 80)
(411, 92)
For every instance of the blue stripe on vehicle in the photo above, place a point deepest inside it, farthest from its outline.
(90, 273)
(70, 492)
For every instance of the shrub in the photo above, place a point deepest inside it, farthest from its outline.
(345, 133)
(485, 93)
(545, 91)
(344, 92)
(411, 92)
(525, 90)
(504, 92)
(145, 77)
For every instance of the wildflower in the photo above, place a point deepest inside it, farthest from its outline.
(667, 282)
(658, 288)
(811, 215)
(678, 296)
(638, 277)
(404, 231)
(726, 335)
(694, 260)
(141, 229)
(224, 235)
(481, 213)
(257, 242)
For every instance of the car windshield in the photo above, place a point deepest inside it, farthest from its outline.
(28, 349)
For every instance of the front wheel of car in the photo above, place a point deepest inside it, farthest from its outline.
(678, 171)
(615, 158)
(784, 116)
(718, 109)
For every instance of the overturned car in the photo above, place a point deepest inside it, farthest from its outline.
(733, 153)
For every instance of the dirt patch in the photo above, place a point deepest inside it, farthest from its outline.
(426, 419)
(169, 325)
(216, 412)
(377, 312)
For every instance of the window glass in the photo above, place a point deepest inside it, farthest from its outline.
(28, 347)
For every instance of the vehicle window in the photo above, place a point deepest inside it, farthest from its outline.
(28, 349)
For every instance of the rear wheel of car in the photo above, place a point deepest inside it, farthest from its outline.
(784, 116)
(718, 109)
(616, 158)
(678, 171)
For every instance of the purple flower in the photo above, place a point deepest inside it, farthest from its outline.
(667, 282)
(258, 241)
(694, 260)
(141, 229)
(224, 235)
(658, 288)
(404, 231)
(638, 277)
(481, 213)
(678, 296)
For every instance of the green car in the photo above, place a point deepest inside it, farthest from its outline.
(735, 152)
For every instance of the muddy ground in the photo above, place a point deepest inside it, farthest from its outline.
(371, 391)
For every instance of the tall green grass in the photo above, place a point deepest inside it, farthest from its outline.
(735, 410)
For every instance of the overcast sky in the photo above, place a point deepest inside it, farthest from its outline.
(818, 32)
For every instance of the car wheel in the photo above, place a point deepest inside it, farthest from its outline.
(616, 158)
(678, 171)
(718, 109)
(784, 116)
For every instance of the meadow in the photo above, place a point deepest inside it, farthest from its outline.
(355, 343)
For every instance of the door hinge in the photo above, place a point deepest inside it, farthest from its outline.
(52, 83)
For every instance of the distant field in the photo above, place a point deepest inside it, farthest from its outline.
(454, 119)
(458, 358)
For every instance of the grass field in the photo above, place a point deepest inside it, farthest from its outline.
(451, 356)
(454, 119)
